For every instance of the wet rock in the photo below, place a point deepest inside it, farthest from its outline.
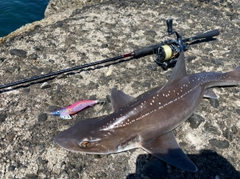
(93, 85)
(152, 67)
(18, 52)
(71, 166)
(214, 102)
(42, 117)
(238, 111)
(41, 161)
(108, 99)
(212, 129)
(147, 84)
(150, 32)
(182, 144)
(19, 164)
(42, 146)
(104, 45)
(139, 2)
(33, 56)
(10, 136)
(31, 176)
(2, 59)
(58, 24)
(38, 48)
(219, 144)
(11, 168)
(190, 58)
(63, 164)
(97, 156)
(195, 120)
(227, 134)
(234, 129)
(26, 90)
(218, 62)
(3, 117)
(64, 174)
(101, 175)
(152, 1)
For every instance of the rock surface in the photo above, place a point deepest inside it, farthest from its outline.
(77, 35)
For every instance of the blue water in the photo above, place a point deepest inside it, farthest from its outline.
(14, 14)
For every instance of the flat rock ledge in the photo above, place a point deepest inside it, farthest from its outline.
(82, 34)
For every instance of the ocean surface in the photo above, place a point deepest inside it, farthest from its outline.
(14, 14)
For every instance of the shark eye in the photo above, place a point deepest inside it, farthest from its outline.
(85, 144)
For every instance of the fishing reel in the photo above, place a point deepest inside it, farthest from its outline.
(168, 52)
(166, 55)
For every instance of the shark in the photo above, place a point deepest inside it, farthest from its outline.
(148, 121)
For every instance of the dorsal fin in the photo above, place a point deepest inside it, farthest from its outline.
(179, 70)
(119, 99)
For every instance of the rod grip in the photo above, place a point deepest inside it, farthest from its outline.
(146, 51)
(208, 34)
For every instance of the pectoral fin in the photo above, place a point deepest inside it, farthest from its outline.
(167, 149)
(209, 93)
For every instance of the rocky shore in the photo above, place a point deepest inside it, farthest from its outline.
(79, 32)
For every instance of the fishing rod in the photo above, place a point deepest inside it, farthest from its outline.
(166, 55)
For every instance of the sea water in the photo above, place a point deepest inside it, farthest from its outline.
(16, 13)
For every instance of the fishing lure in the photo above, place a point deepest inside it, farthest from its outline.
(65, 113)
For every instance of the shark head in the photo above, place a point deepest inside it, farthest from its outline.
(88, 135)
(85, 137)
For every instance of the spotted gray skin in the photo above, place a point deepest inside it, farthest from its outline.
(147, 121)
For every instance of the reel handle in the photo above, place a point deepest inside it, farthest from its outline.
(169, 26)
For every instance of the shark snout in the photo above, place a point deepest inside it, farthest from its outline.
(65, 142)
